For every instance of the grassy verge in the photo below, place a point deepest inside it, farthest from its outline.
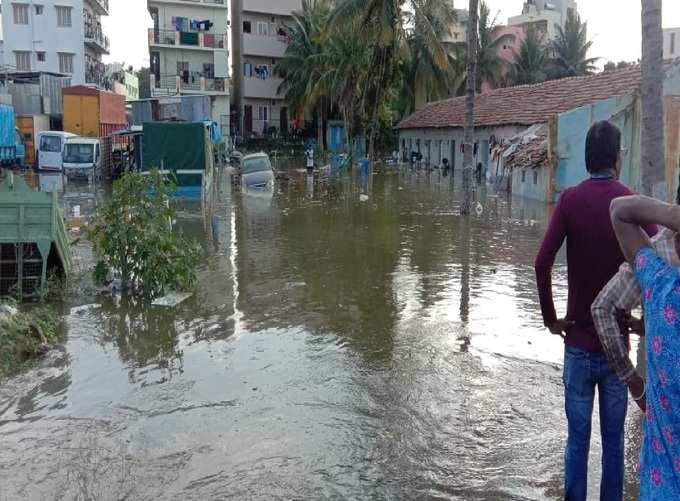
(25, 335)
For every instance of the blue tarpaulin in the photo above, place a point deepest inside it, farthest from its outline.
(7, 126)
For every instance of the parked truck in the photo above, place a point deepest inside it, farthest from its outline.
(12, 151)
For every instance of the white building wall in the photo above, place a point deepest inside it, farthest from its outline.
(671, 43)
(437, 144)
(258, 48)
(42, 34)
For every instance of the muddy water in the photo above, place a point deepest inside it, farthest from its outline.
(335, 349)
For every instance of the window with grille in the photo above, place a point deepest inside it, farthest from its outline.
(263, 112)
(20, 13)
(41, 57)
(263, 29)
(65, 63)
(64, 17)
(23, 60)
(39, 10)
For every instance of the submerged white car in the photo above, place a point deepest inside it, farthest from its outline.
(257, 172)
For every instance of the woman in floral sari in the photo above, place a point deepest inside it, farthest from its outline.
(660, 284)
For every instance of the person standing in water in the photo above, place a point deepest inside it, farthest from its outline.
(309, 156)
(581, 217)
(660, 457)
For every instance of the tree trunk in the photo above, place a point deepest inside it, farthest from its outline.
(319, 124)
(374, 117)
(653, 146)
(468, 139)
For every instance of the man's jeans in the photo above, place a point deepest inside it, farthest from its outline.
(582, 372)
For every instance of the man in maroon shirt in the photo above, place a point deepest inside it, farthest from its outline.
(593, 258)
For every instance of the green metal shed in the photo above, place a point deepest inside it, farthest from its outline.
(33, 238)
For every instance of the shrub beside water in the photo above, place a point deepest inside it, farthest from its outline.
(134, 240)
(24, 335)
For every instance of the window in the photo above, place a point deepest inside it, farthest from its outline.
(65, 63)
(23, 60)
(208, 70)
(535, 177)
(263, 113)
(246, 27)
(39, 10)
(247, 70)
(20, 13)
(64, 17)
(672, 43)
(524, 176)
(41, 57)
(50, 144)
(263, 29)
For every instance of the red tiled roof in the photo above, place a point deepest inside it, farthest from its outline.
(527, 104)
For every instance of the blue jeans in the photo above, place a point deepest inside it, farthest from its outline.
(583, 371)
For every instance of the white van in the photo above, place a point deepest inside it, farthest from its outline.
(82, 157)
(51, 149)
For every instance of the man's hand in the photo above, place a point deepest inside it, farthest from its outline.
(636, 386)
(636, 325)
(560, 327)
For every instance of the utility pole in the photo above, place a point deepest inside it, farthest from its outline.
(469, 139)
(653, 124)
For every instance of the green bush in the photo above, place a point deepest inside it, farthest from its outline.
(25, 335)
(134, 240)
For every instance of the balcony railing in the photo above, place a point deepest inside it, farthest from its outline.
(198, 39)
(192, 81)
(207, 2)
(94, 36)
(101, 6)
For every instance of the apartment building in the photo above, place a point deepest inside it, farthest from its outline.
(671, 43)
(189, 52)
(544, 15)
(259, 42)
(56, 36)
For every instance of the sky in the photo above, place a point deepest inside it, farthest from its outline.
(613, 26)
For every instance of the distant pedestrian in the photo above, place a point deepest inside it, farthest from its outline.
(309, 157)
(445, 163)
(581, 217)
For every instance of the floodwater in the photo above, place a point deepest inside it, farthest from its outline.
(334, 349)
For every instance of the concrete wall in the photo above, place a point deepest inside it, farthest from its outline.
(571, 138)
(530, 183)
(278, 7)
(437, 144)
(671, 43)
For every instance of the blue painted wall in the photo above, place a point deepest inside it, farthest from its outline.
(573, 127)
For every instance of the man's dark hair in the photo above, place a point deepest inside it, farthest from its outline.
(603, 145)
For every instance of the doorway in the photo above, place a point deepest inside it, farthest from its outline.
(283, 126)
(247, 120)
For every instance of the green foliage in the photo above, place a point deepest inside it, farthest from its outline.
(490, 66)
(134, 240)
(531, 63)
(23, 336)
(571, 49)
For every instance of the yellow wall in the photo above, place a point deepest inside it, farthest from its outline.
(81, 115)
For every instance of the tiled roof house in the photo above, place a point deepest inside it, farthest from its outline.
(571, 105)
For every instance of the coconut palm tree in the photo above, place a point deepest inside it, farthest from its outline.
(531, 62)
(470, 108)
(490, 66)
(300, 66)
(431, 63)
(652, 100)
(570, 48)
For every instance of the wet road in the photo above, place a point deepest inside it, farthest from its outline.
(335, 349)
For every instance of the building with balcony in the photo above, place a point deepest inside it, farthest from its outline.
(189, 52)
(55, 36)
(544, 15)
(259, 41)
